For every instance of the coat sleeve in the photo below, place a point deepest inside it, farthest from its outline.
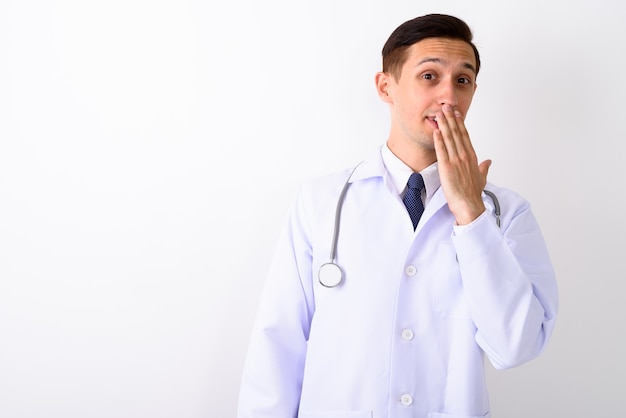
(273, 372)
(509, 283)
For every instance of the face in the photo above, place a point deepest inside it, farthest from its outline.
(437, 71)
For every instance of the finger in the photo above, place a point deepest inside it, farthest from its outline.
(452, 119)
(460, 123)
(440, 147)
(446, 126)
(464, 139)
(463, 145)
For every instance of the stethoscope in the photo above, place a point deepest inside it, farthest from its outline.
(330, 274)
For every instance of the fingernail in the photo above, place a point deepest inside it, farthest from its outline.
(457, 113)
(447, 107)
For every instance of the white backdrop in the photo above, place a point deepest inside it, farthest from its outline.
(133, 133)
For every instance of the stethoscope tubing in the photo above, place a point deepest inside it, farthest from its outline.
(342, 196)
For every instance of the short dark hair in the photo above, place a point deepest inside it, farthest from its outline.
(420, 28)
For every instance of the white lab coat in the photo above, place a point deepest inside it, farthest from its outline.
(404, 335)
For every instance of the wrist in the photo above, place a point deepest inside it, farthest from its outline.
(468, 215)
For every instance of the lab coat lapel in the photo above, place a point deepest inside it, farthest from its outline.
(437, 203)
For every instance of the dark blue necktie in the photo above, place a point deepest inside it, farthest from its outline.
(413, 198)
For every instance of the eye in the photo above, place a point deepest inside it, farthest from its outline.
(428, 76)
(465, 80)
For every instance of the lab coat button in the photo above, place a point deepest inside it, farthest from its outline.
(410, 270)
(407, 334)
(406, 399)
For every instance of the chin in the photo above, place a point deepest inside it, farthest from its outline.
(426, 142)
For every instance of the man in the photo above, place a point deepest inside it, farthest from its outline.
(404, 330)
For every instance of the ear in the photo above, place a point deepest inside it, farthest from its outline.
(383, 83)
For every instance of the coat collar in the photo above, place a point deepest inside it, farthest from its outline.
(373, 167)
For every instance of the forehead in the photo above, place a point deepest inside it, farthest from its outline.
(443, 51)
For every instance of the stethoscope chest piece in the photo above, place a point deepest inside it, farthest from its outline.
(330, 275)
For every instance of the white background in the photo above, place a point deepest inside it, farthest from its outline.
(133, 133)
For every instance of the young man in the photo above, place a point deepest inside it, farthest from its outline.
(423, 293)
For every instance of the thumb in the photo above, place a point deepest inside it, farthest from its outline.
(484, 168)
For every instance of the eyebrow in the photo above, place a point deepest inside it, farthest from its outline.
(466, 65)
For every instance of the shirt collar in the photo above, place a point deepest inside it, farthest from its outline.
(399, 174)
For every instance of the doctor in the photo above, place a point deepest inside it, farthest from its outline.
(418, 308)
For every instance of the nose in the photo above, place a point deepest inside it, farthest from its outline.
(447, 94)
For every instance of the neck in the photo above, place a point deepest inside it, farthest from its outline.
(415, 156)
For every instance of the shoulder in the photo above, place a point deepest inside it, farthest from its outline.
(332, 183)
(326, 186)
